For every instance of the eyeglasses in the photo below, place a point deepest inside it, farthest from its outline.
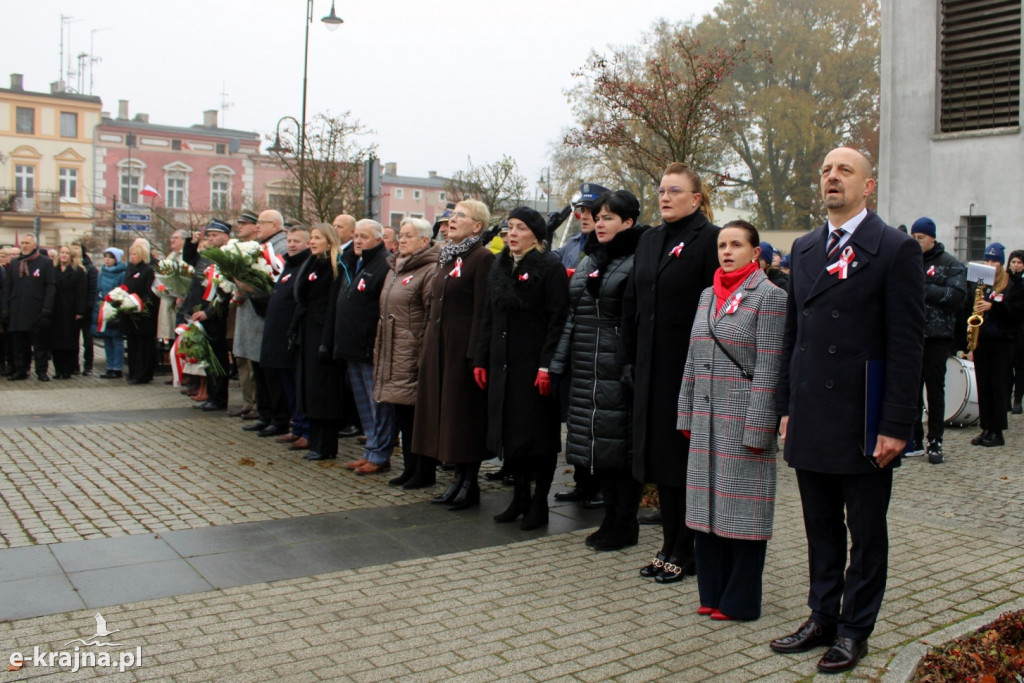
(672, 191)
(460, 214)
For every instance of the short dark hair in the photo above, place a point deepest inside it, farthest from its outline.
(622, 203)
(752, 235)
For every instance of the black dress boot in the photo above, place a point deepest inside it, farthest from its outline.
(520, 504)
(425, 474)
(408, 469)
(610, 511)
(469, 493)
(453, 490)
(537, 516)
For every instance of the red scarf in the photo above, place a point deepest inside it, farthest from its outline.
(727, 283)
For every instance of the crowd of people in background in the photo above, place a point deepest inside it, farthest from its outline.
(676, 355)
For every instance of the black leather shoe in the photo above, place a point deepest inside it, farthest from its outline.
(843, 655)
(1016, 408)
(570, 496)
(994, 439)
(348, 432)
(650, 517)
(976, 441)
(809, 636)
(654, 568)
(256, 427)
(496, 475)
(593, 502)
(17, 377)
(211, 406)
(43, 378)
(313, 455)
(272, 430)
(675, 570)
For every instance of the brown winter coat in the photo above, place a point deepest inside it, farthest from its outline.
(451, 411)
(403, 318)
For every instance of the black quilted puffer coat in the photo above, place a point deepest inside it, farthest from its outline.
(599, 421)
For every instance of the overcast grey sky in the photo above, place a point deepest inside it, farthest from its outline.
(437, 81)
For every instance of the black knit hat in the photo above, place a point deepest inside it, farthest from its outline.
(533, 220)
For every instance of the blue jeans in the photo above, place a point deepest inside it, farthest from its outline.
(378, 418)
(114, 348)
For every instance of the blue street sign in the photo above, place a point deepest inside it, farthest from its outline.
(134, 217)
(133, 227)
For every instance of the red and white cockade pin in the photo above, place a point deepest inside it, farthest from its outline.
(35, 273)
(136, 276)
(734, 303)
(312, 277)
(596, 273)
(286, 277)
(361, 287)
(457, 270)
(842, 266)
(678, 249)
(406, 281)
(524, 277)
(930, 272)
(997, 297)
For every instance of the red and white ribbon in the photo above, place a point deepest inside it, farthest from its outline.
(406, 281)
(210, 292)
(138, 301)
(101, 320)
(733, 304)
(596, 273)
(677, 250)
(524, 277)
(275, 262)
(177, 364)
(286, 277)
(457, 270)
(361, 286)
(842, 266)
(930, 272)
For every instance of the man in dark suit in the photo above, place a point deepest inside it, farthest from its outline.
(856, 295)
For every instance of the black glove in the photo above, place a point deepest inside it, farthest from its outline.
(627, 380)
(324, 354)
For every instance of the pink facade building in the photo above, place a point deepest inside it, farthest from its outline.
(407, 196)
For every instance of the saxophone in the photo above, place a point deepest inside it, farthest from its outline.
(974, 322)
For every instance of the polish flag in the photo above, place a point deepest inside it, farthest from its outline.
(185, 145)
(149, 191)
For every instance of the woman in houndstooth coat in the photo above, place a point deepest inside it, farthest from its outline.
(727, 408)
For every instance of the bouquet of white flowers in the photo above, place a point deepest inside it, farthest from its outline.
(173, 277)
(193, 346)
(244, 262)
(118, 303)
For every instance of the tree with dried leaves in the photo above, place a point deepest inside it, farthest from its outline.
(652, 104)
(498, 184)
(331, 170)
(811, 84)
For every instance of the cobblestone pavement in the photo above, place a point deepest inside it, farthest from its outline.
(542, 609)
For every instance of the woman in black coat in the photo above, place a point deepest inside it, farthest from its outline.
(674, 263)
(526, 308)
(317, 378)
(70, 306)
(140, 332)
(599, 422)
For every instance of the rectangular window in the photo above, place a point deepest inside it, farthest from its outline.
(68, 124)
(979, 64)
(68, 181)
(220, 148)
(176, 145)
(24, 180)
(26, 120)
(220, 192)
(442, 196)
(971, 238)
(399, 193)
(417, 194)
(396, 219)
(130, 185)
(176, 191)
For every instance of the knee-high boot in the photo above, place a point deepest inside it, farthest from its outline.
(469, 493)
(425, 474)
(408, 468)
(624, 531)
(453, 490)
(608, 490)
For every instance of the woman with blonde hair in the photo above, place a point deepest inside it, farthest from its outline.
(451, 410)
(317, 378)
(70, 305)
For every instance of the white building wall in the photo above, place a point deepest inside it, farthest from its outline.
(922, 172)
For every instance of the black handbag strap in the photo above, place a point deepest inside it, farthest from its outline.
(711, 329)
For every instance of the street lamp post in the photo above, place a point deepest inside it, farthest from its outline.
(332, 21)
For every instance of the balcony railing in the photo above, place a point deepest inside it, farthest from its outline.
(34, 202)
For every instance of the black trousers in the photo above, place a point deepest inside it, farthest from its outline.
(832, 504)
(85, 327)
(933, 380)
(141, 357)
(271, 391)
(677, 538)
(1017, 384)
(992, 362)
(217, 387)
(729, 572)
(65, 361)
(26, 346)
(323, 437)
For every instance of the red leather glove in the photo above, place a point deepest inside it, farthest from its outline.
(480, 376)
(543, 383)
(686, 433)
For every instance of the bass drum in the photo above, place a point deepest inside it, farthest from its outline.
(961, 393)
